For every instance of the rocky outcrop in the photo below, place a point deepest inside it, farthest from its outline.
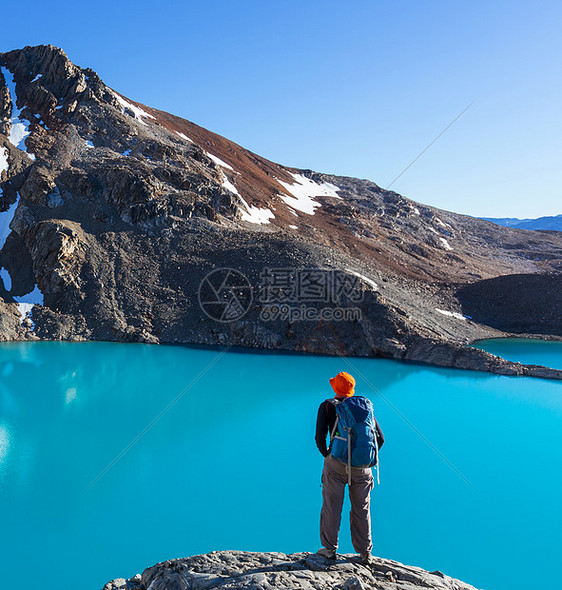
(116, 214)
(534, 303)
(302, 571)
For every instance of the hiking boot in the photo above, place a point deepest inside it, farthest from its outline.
(367, 559)
(327, 553)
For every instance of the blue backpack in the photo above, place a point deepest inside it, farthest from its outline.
(353, 438)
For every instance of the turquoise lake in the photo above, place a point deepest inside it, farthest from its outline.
(116, 456)
(525, 350)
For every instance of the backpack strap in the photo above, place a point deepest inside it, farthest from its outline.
(377, 464)
(349, 458)
(334, 402)
(332, 434)
(337, 402)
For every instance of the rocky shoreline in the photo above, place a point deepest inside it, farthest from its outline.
(298, 571)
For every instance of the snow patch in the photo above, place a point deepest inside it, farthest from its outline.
(416, 211)
(445, 244)
(255, 214)
(228, 185)
(453, 314)
(137, 111)
(219, 162)
(294, 226)
(89, 144)
(304, 190)
(127, 153)
(26, 303)
(368, 281)
(25, 309)
(6, 279)
(20, 128)
(36, 78)
(4, 164)
(441, 223)
(184, 137)
(5, 220)
(252, 214)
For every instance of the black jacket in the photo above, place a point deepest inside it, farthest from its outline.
(325, 424)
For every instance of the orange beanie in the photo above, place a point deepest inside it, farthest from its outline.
(343, 384)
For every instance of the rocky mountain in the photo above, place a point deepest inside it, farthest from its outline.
(116, 219)
(551, 222)
(266, 571)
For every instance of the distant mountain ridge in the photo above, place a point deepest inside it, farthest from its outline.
(552, 222)
(113, 214)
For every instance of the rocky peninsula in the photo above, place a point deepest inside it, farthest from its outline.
(122, 222)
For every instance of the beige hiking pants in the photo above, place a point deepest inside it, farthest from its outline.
(334, 480)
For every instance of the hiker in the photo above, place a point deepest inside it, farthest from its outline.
(343, 465)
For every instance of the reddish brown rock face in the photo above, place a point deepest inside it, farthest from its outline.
(122, 210)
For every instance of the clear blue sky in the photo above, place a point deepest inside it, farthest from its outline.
(356, 88)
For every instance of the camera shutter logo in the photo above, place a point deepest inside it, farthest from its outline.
(225, 295)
